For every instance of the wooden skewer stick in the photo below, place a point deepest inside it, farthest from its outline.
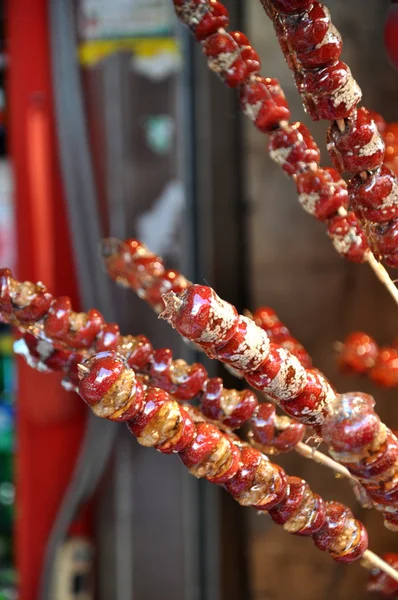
(370, 561)
(380, 272)
(308, 452)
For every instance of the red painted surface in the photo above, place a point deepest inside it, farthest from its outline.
(50, 422)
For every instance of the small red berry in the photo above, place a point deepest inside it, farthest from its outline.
(359, 147)
(351, 422)
(385, 370)
(322, 192)
(358, 353)
(293, 148)
(348, 238)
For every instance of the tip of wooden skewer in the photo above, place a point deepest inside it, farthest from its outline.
(82, 369)
(341, 124)
(370, 560)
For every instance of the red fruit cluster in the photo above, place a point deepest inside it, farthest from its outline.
(111, 389)
(275, 434)
(347, 236)
(348, 423)
(359, 146)
(304, 28)
(361, 354)
(131, 264)
(62, 339)
(312, 48)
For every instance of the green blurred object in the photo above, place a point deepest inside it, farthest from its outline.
(7, 375)
(6, 431)
(8, 584)
(8, 575)
(159, 133)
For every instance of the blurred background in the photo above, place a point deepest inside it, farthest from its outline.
(111, 124)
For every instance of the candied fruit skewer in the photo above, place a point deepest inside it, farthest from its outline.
(322, 192)
(312, 47)
(270, 433)
(300, 511)
(59, 329)
(157, 420)
(347, 422)
(33, 309)
(28, 307)
(131, 264)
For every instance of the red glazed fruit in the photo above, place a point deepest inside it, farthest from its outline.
(211, 455)
(310, 405)
(264, 102)
(109, 387)
(108, 338)
(185, 434)
(201, 316)
(206, 441)
(293, 148)
(137, 350)
(357, 544)
(385, 370)
(56, 325)
(378, 462)
(376, 196)
(275, 434)
(141, 271)
(23, 302)
(296, 490)
(358, 353)
(178, 378)
(203, 18)
(216, 17)
(281, 375)
(351, 422)
(322, 192)
(328, 93)
(99, 375)
(312, 38)
(384, 240)
(257, 482)
(247, 348)
(224, 58)
(359, 147)
(348, 238)
(247, 52)
(335, 523)
(230, 407)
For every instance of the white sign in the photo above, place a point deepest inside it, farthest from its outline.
(110, 19)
